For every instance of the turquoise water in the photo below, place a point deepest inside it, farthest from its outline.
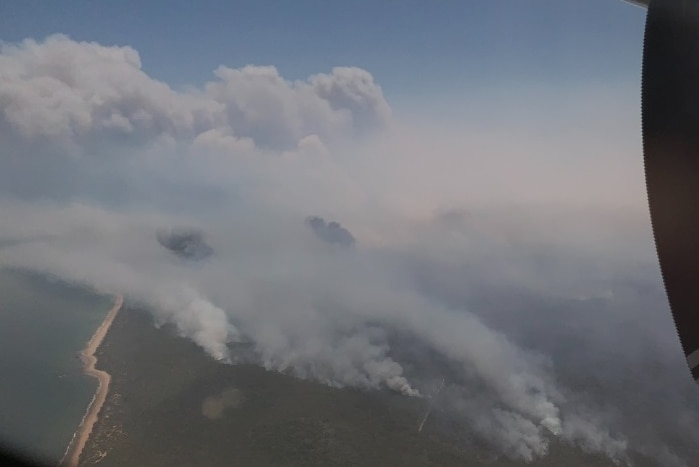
(43, 392)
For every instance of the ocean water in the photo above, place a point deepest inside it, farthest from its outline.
(44, 324)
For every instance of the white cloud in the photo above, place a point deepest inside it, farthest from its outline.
(63, 90)
(72, 92)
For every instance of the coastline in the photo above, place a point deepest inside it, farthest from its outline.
(80, 437)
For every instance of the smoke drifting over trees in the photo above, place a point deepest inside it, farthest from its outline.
(527, 281)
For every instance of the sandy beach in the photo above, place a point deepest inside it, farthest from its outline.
(77, 444)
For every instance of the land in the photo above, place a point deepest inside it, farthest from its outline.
(77, 444)
(171, 405)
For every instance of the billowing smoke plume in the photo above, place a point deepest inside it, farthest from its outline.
(529, 283)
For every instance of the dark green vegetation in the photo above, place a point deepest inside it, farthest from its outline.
(171, 405)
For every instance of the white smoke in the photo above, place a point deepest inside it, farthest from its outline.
(588, 435)
(524, 302)
(198, 319)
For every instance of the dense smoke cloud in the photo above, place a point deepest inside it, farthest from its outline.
(529, 283)
(330, 232)
(185, 243)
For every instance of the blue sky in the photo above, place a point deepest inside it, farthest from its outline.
(418, 51)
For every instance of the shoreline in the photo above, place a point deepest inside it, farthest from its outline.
(87, 355)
